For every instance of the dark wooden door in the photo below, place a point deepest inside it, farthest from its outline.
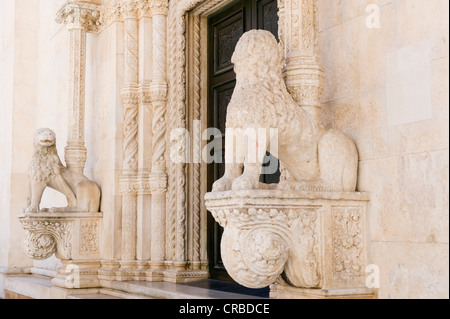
(224, 30)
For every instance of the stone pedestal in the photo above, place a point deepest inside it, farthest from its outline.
(316, 241)
(72, 237)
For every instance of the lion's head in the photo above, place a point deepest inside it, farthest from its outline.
(44, 137)
(259, 51)
(260, 98)
(45, 160)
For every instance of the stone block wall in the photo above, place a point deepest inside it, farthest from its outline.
(387, 88)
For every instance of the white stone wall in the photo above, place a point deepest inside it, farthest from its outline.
(104, 74)
(18, 60)
(6, 89)
(387, 88)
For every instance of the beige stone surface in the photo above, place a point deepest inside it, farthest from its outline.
(402, 139)
(408, 275)
(403, 155)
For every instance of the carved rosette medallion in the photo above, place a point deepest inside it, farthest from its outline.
(259, 244)
(255, 245)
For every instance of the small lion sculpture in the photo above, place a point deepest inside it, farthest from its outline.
(315, 158)
(46, 169)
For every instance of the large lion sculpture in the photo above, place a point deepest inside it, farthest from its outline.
(316, 158)
(46, 170)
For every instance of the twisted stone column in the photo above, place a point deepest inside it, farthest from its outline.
(79, 18)
(130, 102)
(158, 92)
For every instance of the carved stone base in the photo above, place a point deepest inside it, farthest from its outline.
(75, 274)
(312, 239)
(148, 271)
(181, 276)
(68, 235)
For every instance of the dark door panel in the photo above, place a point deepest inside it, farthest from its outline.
(224, 31)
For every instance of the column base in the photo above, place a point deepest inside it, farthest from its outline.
(181, 276)
(77, 274)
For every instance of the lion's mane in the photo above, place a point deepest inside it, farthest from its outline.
(45, 163)
(260, 96)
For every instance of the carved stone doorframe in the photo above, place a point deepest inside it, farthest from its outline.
(176, 94)
(187, 103)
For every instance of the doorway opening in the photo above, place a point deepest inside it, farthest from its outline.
(225, 27)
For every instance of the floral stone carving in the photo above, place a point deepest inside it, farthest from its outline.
(67, 235)
(310, 239)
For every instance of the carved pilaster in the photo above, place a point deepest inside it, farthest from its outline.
(130, 103)
(79, 18)
(298, 33)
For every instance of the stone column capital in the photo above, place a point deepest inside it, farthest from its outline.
(159, 7)
(130, 9)
(79, 15)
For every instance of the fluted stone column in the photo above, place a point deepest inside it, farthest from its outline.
(130, 103)
(158, 96)
(79, 18)
(298, 32)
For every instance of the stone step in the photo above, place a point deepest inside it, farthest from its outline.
(167, 290)
(93, 296)
(40, 287)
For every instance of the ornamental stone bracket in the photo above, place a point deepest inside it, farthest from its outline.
(300, 243)
(73, 237)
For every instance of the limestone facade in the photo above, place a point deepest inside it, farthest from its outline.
(112, 78)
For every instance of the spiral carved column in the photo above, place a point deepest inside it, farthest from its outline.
(158, 92)
(130, 102)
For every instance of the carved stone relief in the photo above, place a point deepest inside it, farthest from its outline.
(310, 239)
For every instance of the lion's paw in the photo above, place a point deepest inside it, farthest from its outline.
(222, 184)
(32, 209)
(244, 182)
